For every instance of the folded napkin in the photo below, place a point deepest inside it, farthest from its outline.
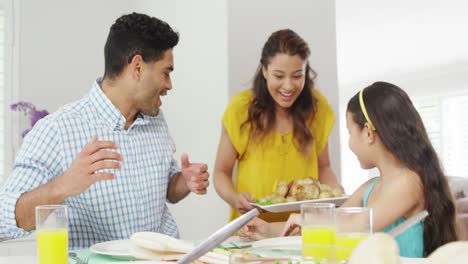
(160, 247)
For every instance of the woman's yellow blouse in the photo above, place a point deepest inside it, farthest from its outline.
(262, 166)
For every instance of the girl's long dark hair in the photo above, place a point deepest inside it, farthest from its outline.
(402, 131)
(261, 115)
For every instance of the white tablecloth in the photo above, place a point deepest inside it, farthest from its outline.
(33, 260)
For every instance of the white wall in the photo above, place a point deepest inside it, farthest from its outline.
(202, 73)
(61, 47)
(420, 45)
(417, 43)
(252, 22)
(195, 105)
(58, 52)
(61, 53)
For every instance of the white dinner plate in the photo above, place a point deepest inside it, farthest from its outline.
(282, 243)
(296, 206)
(414, 260)
(119, 249)
(295, 243)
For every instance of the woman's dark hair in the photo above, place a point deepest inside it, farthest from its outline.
(402, 131)
(134, 34)
(261, 115)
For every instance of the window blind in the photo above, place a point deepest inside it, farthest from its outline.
(447, 126)
(455, 131)
(2, 93)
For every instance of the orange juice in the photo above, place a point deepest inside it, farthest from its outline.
(52, 246)
(346, 242)
(318, 241)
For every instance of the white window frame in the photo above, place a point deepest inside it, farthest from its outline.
(444, 128)
(11, 135)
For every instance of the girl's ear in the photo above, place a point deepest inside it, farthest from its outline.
(371, 135)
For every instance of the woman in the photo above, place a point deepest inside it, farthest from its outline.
(276, 131)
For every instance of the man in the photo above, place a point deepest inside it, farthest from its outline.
(108, 156)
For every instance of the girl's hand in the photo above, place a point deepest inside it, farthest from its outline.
(292, 226)
(257, 229)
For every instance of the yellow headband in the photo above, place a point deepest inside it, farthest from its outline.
(364, 111)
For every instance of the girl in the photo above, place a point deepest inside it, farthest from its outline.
(387, 132)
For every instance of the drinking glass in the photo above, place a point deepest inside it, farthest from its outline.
(318, 231)
(353, 224)
(52, 234)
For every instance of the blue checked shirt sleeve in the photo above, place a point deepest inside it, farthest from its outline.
(174, 169)
(37, 162)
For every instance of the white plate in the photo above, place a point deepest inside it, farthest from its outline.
(295, 243)
(414, 260)
(283, 243)
(119, 249)
(296, 206)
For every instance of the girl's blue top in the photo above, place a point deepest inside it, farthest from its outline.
(410, 242)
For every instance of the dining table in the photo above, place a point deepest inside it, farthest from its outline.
(95, 258)
(102, 259)
(232, 243)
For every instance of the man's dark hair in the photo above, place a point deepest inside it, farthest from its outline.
(134, 34)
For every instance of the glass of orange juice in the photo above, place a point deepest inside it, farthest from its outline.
(353, 224)
(318, 231)
(52, 234)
